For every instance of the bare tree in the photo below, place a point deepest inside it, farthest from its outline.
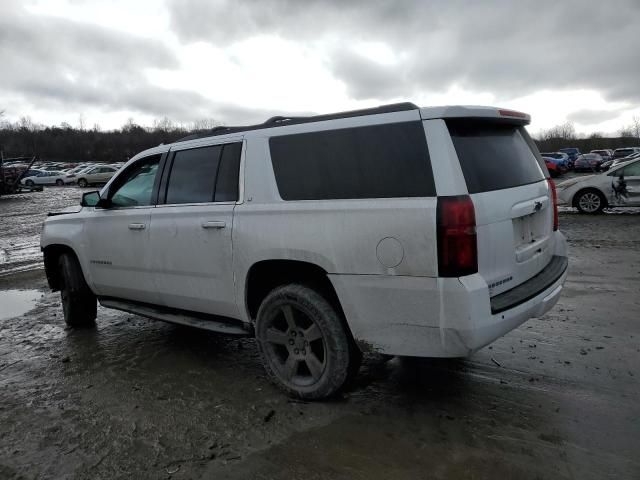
(565, 131)
(635, 126)
(163, 125)
(626, 131)
(204, 124)
(25, 123)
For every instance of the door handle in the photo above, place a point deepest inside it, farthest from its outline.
(137, 226)
(214, 224)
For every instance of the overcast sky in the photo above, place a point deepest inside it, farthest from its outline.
(241, 61)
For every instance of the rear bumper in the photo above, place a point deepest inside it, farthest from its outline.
(441, 317)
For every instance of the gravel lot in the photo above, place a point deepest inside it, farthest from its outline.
(134, 398)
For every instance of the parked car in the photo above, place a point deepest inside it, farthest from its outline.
(559, 158)
(572, 152)
(605, 154)
(44, 177)
(553, 167)
(625, 152)
(589, 162)
(619, 187)
(95, 175)
(324, 237)
(606, 165)
(620, 160)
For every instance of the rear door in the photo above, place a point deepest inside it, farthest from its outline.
(506, 179)
(190, 237)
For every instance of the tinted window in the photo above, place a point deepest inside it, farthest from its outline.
(193, 175)
(380, 161)
(495, 156)
(632, 170)
(135, 186)
(227, 181)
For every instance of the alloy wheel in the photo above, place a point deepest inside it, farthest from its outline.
(295, 346)
(590, 202)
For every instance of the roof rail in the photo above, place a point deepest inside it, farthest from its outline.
(280, 121)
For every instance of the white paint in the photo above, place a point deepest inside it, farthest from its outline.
(389, 289)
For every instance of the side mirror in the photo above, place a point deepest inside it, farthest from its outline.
(90, 199)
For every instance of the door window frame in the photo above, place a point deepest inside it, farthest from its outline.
(166, 172)
(109, 190)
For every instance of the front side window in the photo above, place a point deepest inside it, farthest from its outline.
(135, 187)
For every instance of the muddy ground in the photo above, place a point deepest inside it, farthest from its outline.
(134, 398)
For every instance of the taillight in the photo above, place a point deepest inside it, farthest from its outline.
(457, 245)
(554, 197)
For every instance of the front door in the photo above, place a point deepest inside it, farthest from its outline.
(118, 235)
(632, 178)
(190, 236)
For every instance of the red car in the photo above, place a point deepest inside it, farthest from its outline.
(554, 169)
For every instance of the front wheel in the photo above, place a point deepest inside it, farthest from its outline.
(82, 183)
(79, 304)
(590, 201)
(304, 345)
(29, 183)
(59, 182)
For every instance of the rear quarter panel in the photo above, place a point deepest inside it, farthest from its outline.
(391, 236)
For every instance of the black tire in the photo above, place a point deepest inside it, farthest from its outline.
(82, 183)
(59, 183)
(29, 183)
(78, 301)
(304, 344)
(590, 201)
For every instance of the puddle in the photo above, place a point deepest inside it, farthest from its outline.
(14, 303)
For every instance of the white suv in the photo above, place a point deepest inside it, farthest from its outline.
(409, 231)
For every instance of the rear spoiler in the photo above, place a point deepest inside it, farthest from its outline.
(479, 112)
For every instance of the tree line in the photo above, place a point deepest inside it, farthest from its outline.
(80, 144)
(565, 135)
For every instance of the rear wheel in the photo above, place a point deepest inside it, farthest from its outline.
(59, 182)
(590, 201)
(78, 301)
(82, 183)
(304, 345)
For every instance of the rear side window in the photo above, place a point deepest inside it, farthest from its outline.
(495, 156)
(203, 175)
(381, 161)
(228, 171)
(193, 175)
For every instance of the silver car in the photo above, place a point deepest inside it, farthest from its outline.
(95, 175)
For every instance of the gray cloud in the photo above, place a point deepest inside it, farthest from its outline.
(507, 48)
(592, 117)
(61, 64)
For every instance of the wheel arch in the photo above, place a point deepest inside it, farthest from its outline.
(265, 275)
(51, 254)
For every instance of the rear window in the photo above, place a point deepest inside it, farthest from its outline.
(381, 161)
(623, 152)
(495, 156)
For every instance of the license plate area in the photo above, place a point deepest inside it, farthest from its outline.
(530, 235)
